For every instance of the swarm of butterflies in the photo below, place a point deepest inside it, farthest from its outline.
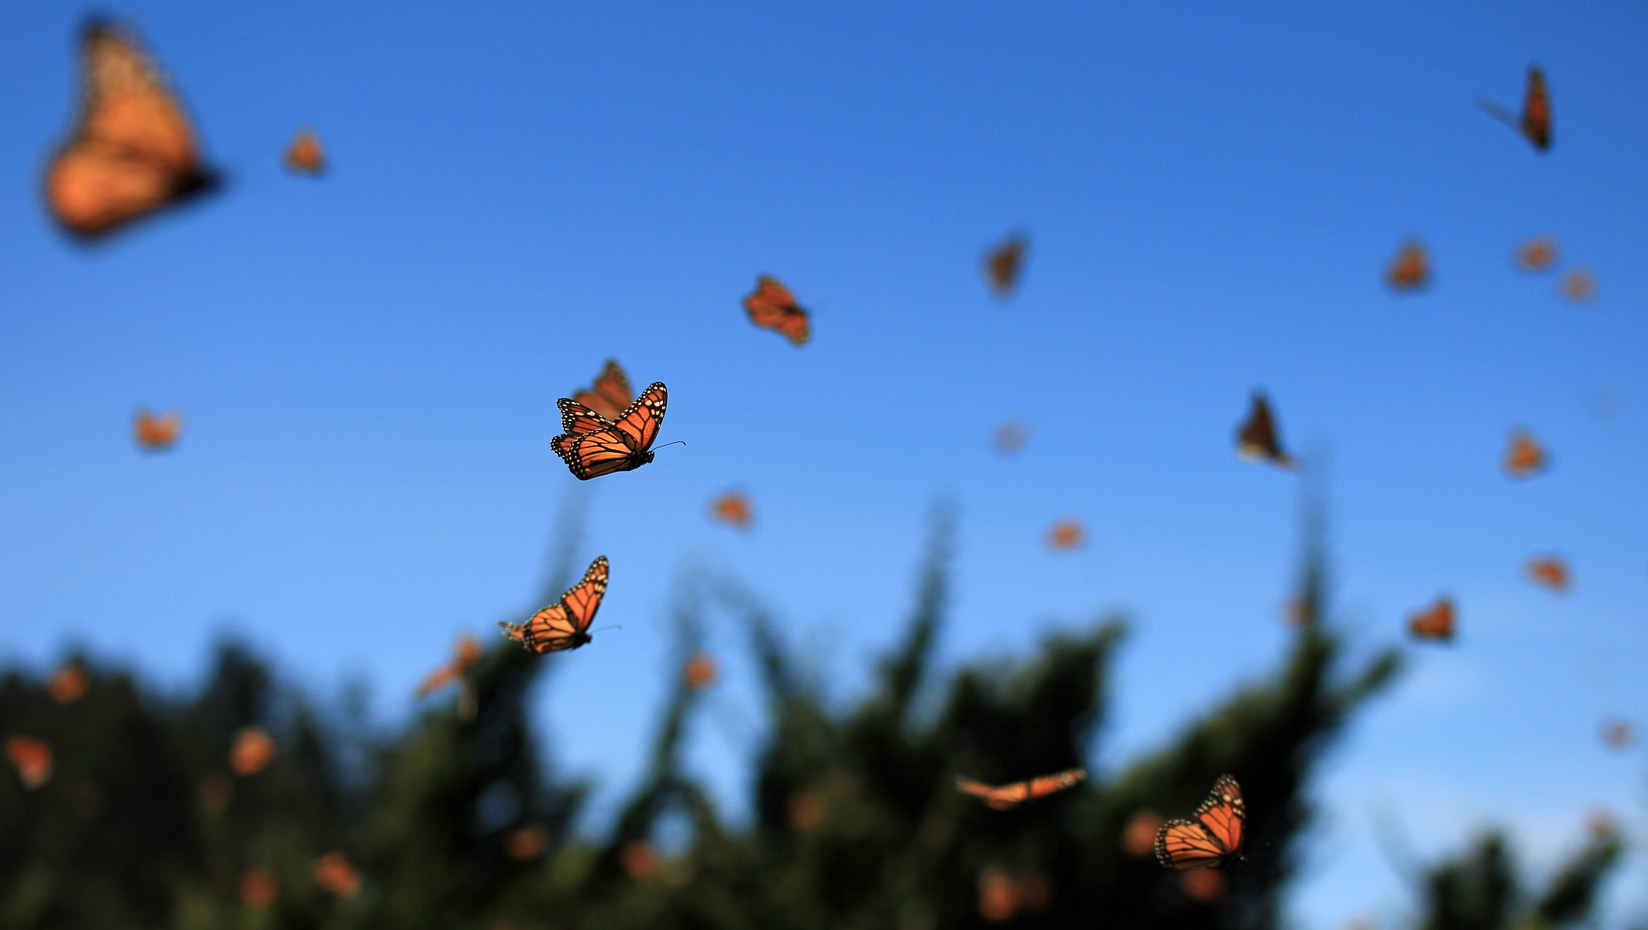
(133, 153)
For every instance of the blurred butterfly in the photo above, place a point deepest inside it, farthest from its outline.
(1435, 622)
(156, 433)
(1212, 840)
(32, 758)
(68, 683)
(772, 306)
(1006, 797)
(610, 395)
(1066, 534)
(609, 446)
(1579, 285)
(1410, 269)
(132, 151)
(465, 657)
(251, 750)
(1535, 122)
(1256, 438)
(1618, 734)
(1537, 254)
(734, 508)
(1010, 437)
(564, 624)
(1525, 456)
(1549, 571)
(1002, 265)
(304, 155)
(699, 671)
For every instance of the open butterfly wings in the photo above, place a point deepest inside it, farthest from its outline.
(772, 306)
(609, 396)
(132, 151)
(610, 446)
(564, 624)
(1213, 838)
(1006, 797)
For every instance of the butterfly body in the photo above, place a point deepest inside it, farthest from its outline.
(1213, 839)
(1007, 797)
(564, 624)
(591, 445)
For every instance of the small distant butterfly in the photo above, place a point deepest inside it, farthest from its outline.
(156, 433)
(772, 306)
(1436, 622)
(1535, 122)
(610, 395)
(1010, 437)
(32, 758)
(1410, 269)
(305, 155)
(593, 445)
(1066, 534)
(251, 751)
(1549, 571)
(132, 151)
(1618, 734)
(1579, 285)
(1212, 840)
(1006, 797)
(1003, 264)
(564, 624)
(1525, 456)
(734, 508)
(699, 671)
(1256, 438)
(1537, 254)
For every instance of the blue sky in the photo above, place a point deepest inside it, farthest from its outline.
(369, 362)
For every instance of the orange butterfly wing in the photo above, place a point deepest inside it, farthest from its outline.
(772, 306)
(133, 151)
(1536, 110)
(578, 419)
(1006, 797)
(1210, 841)
(1411, 269)
(1525, 456)
(305, 155)
(157, 433)
(610, 395)
(1435, 623)
(620, 446)
(564, 624)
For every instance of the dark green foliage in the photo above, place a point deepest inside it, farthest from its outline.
(854, 820)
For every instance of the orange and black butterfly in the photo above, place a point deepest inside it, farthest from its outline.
(1436, 622)
(1535, 122)
(610, 395)
(1006, 797)
(1002, 265)
(1537, 254)
(734, 508)
(1410, 269)
(609, 446)
(157, 433)
(1525, 456)
(772, 306)
(1549, 571)
(564, 624)
(132, 151)
(1213, 839)
(1256, 438)
(305, 155)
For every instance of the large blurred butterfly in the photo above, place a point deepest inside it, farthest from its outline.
(1006, 797)
(610, 394)
(593, 445)
(564, 624)
(132, 151)
(1434, 623)
(1535, 122)
(772, 306)
(1212, 840)
(1256, 438)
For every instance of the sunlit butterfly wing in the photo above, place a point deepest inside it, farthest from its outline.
(564, 624)
(132, 152)
(1213, 839)
(1434, 623)
(622, 446)
(304, 155)
(578, 419)
(772, 306)
(1002, 265)
(610, 395)
(1410, 269)
(1005, 797)
(1256, 438)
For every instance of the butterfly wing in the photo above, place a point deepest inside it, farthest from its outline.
(610, 394)
(1536, 111)
(1223, 814)
(583, 599)
(772, 306)
(641, 421)
(305, 155)
(1058, 781)
(1183, 845)
(133, 151)
(1002, 797)
(578, 418)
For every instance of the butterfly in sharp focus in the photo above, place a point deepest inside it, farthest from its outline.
(619, 445)
(304, 155)
(1003, 263)
(1410, 270)
(772, 306)
(1213, 839)
(1006, 797)
(132, 151)
(1256, 438)
(564, 624)
(1535, 122)
(1525, 456)
(1435, 622)
(609, 396)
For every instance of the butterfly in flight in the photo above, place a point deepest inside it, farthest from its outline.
(593, 445)
(1410, 270)
(1066, 534)
(564, 624)
(1549, 571)
(733, 508)
(772, 306)
(132, 151)
(157, 433)
(1535, 122)
(1256, 438)
(1213, 839)
(610, 395)
(33, 759)
(1007, 797)
(1526, 456)
(1579, 285)
(304, 155)
(1618, 734)
(1010, 437)
(1436, 622)
(1003, 263)
(1537, 254)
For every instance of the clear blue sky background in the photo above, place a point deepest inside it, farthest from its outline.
(369, 362)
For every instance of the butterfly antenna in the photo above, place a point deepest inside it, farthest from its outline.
(677, 442)
(610, 626)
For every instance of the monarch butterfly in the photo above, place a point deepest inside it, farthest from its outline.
(33, 759)
(1579, 285)
(734, 508)
(1066, 534)
(699, 671)
(304, 155)
(772, 306)
(1434, 623)
(609, 395)
(1006, 797)
(467, 654)
(1002, 265)
(1525, 456)
(1410, 270)
(156, 433)
(1537, 254)
(1213, 840)
(1256, 438)
(564, 624)
(611, 446)
(132, 151)
(1535, 122)
(1549, 571)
